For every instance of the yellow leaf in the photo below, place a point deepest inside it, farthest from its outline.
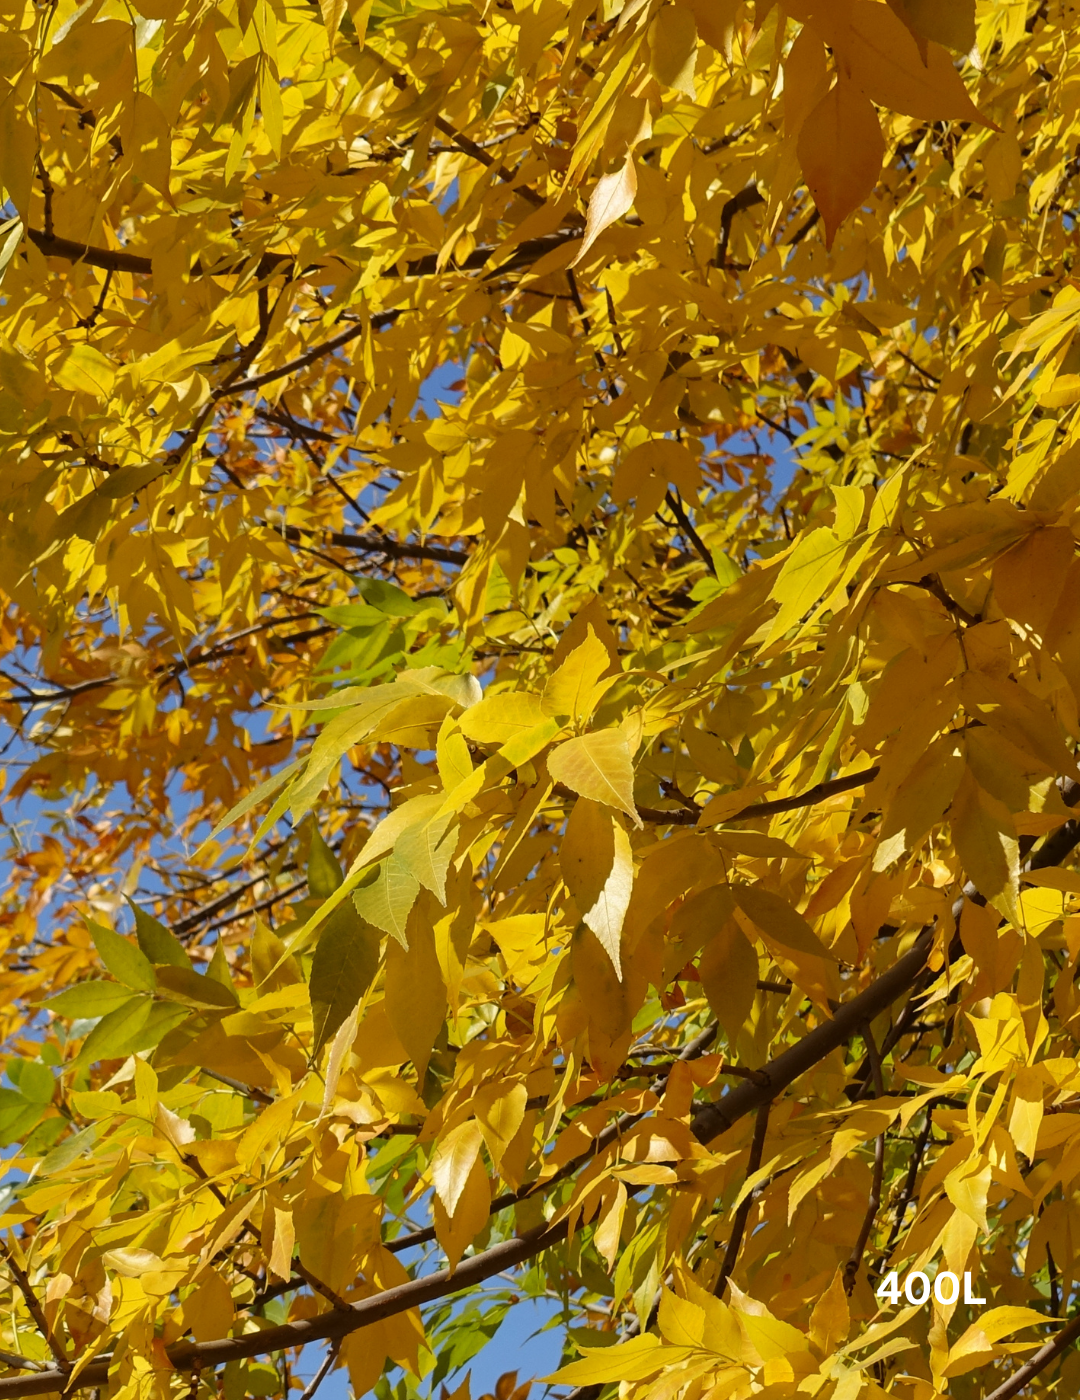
(96, 1103)
(472, 1205)
(499, 718)
(995, 951)
(597, 766)
(673, 48)
(575, 687)
(830, 1322)
(920, 801)
(147, 135)
(270, 1129)
(133, 1263)
(85, 369)
(634, 1360)
(18, 142)
(500, 1111)
(806, 81)
(281, 1254)
(612, 197)
(604, 996)
(952, 24)
(1028, 579)
(774, 916)
(1026, 1114)
(598, 868)
(608, 1232)
(1041, 908)
(415, 994)
(967, 1186)
(643, 474)
(985, 840)
(681, 1321)
(883, 58)
(710, 755)
(728, 966)
(973, 1348)
(208, 1309)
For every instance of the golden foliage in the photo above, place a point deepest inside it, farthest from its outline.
(577, 668)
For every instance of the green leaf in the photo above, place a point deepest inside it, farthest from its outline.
(344, 966)
(324, 873)
(17, 1116)
(218, 967)
(265, 789)
(66, 1152)
(127, 963)
(191, 988)
(157, 942)
(88, 999)
(164, 1015)
(33, 1080)
(386, 899)
(425, 851)
(116, 1034)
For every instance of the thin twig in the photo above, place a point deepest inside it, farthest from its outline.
(851, 1268)
(674, 500)
(323, 1371)
(908, 1191)
(259, 908)
(470, 148)
(20, 1363)
(738, 1225)
(248, 1091)
(37, 1312)
(373, 544)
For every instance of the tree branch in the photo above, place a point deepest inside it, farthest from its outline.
(712, 1119)
(910, 1182)
(674, 500)
(817, 793)
(851, 1268)
(738, 1225)
(37, 1312)
(116, 260)
(1039, 1362)
(374, 544)
(317, 352)
(322, 1373)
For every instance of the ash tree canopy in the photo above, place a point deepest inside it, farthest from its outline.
(541, 683)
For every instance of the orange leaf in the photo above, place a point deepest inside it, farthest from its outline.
(882, 57)
(840, 150)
